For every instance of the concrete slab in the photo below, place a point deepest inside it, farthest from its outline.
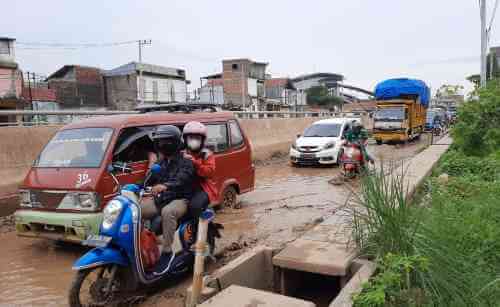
(316, 257)
(354, 285)
(236, 296)
(252, 269)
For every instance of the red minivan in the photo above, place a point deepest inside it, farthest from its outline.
(68, 185)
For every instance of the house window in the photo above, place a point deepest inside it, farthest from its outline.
(142, 88)
(217, 137)
(155, 90)
(4, 47)
(235, 66)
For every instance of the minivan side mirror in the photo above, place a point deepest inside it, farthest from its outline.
(298, 135)
(119, 167)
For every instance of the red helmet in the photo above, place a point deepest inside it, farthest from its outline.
(195, 128)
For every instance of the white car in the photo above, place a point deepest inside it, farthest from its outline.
(321, 142)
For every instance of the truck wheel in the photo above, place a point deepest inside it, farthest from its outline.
(379, 142)
(230, 198)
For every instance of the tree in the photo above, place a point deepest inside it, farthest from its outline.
(320, 96)
(477, 132)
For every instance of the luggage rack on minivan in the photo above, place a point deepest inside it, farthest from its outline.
(185, 107)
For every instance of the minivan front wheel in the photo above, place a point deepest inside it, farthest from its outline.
(230, 198)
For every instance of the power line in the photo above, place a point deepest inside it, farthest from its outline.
(75, 45)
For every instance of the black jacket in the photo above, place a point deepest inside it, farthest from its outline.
(178, 174)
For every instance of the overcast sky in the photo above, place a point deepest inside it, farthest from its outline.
(365, 40)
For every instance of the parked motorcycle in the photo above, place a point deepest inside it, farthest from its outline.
(126, 253)
(352, 160)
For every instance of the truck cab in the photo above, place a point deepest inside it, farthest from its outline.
(398, 121)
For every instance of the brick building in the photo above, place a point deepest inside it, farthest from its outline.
(11, 79)
(78, 87)
(283, 95)
(41, 98)
(242, 84)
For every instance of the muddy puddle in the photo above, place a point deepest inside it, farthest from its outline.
(35, 272)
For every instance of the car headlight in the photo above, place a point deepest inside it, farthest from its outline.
(111, 213)
(329, 145)
(294, 145)
(86, 201)
(25, 197)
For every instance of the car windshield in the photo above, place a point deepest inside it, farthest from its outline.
(390, 114)
(76, 148)
(323, 130)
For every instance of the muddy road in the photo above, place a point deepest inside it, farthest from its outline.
(286, 202)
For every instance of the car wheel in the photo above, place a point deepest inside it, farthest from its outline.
(230, 198)
(379, 142)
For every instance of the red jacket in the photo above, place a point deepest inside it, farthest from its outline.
(204, 163)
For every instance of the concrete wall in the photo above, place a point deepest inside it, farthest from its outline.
(121, 92)
(271, 136)
(20, 146)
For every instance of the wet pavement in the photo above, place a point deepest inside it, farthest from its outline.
(286, 202)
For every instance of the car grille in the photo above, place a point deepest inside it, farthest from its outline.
(308, 149)
(47, 199)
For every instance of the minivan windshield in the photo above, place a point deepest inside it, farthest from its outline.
(323, 130)
(396, 114)
(83, 147)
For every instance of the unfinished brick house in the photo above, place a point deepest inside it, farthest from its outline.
(78, 87)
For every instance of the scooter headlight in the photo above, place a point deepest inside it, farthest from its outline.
(111, 213)
(349, 152)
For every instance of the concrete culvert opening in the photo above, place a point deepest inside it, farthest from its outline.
(317, 288)
(253, 275)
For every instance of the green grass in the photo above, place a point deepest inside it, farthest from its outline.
(456, 234)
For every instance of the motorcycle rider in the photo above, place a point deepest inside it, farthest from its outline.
(172, 187)
(205, 190)
(357, 134)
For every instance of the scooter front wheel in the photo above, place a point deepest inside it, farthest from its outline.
(94, 287)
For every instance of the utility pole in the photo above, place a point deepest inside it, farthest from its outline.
(141, 43)
(484, 41)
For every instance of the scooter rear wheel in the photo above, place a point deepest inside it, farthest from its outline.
(90, 288)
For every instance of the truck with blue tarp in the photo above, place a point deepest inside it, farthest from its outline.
(401, 110)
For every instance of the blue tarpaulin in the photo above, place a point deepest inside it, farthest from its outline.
(396, 88)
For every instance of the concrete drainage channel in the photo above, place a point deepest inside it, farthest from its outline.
(319, 269)
(253, 279)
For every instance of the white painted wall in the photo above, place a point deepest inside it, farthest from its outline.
(168, 90)
(212, 94)
(252, 87)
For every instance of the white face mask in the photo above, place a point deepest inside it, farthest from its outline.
(193, 144)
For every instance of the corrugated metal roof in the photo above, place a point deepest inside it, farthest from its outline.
(323, 75)
(134, 67)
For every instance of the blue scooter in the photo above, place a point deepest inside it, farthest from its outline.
(115, 265)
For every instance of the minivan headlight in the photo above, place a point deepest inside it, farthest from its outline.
(329, 145)
(111, 213)
(86, 201)
(294, 145)
(25, 197)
